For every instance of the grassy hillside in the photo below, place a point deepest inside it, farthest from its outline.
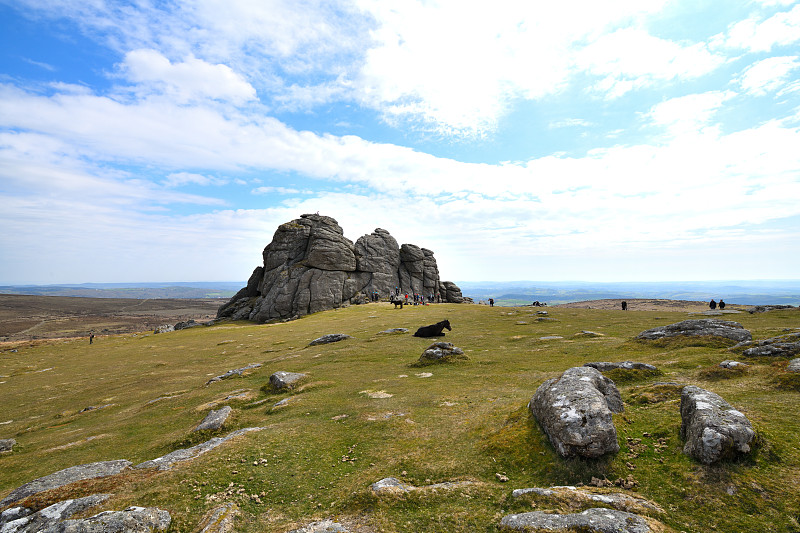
(465, 421)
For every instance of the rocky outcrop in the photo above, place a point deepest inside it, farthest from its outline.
(780, 346)
(704, 327)
(441, 352)
(322, 526)
(765, 308)
(6, 445)
(214, 420)
(574, 410)
(794, 365)
(393, 486)
(627, 365)
(575, 496)
(285, 380)
(56, 518)
(597, 520)
(711, 428)
(166, 462)
(329, 338)
(310, 266)
(235, 372)
(65, 477)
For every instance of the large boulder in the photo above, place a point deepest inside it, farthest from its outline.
(711, 428)
(704, 327)
(65, 477)
(574, 410)
(310, 266)
(596, 520)
(451, 293)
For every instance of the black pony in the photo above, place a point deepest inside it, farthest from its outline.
(396, 303)
(434, 330)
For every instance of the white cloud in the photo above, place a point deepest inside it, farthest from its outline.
(757, 35)
(688, 114)
(768, 75)
(188, 80)
(277, 190)
(630, 59)
(178, 179)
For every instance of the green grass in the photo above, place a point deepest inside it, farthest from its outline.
(467, 421)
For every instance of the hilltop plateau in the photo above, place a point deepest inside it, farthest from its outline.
(457, 437)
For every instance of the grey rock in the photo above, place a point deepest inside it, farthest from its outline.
(215, 419)
(781, 346)
(310, 266)
(794, 365)
(451, 293)
(49, 518)
(285, 380)
(186, 325)
(322, 526)
(164, 328)
(765, 308)
(732, 364)
(131, 520)
(220, 519)
(627, 365)
(394, 331)
(441, 351)
(65, 477)
(699, 327)
(331, 337)
(231, 373)
(574, 410)
(14, 513)
(166, 462)
(616, 500)
(7, 444)
(597, 520)
(391, 485)
(711, 428)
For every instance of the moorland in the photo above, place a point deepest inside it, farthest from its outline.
(366, 412)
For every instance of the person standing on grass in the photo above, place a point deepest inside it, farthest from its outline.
(491, 302)
(721, 304)
(624, 306)
(91, 338)
(712, 304)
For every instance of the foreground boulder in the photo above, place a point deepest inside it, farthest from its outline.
(65, 477)
(704, 327)
(597, 520)
(214, 420)
(166, 462)
(329, 338)
(6, 445)
(322, 526)
(236, 372)
(310, 266)
(285, 380)
(712, 429)
(575, 496)
(794, 365)
(574, 410)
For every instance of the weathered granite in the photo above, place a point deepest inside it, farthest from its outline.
(6, 445)
(286, 380)
(131, 520)
(765, 308)
(712, 429)
(167, 461)
(21, 520)
(214, 420)
(329, 338)
(220, 519)
(65, 477)
(781, 346)
(322, 526)
(440, 352)
(574, 410)
(794, 365)
(621, 501)
(236, 372)
(627, 365)
(699, 327)
(164, 328)
(596, 520)
(393, 486)
(310, 266)
(732, 364)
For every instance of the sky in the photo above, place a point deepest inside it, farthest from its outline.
(624, 140)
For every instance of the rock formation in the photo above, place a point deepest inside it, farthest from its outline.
(310, 266)
(595, 520)
(712, 429)
(574, 411)
(704, 327)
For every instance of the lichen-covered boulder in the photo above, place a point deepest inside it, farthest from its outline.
(214, 420)
(65, 477)
(6, 445)
(329, 338)
(794, 365)
(781, 346)
(711, 428)
(22, 520)
(286, 380)
(597, 520)
(575, 411)
(627, 365)
(441, 352)
(704, 327)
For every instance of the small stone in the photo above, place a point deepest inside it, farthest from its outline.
(502, 478)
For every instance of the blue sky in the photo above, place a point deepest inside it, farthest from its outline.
(626, 140)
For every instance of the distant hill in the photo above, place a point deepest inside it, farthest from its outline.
(756, 292)
(176, 290)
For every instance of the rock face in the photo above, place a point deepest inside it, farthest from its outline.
(310, 266)
(65, 477)
(712, 429)
(597, 520)
(574, 411)
(700, 327)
